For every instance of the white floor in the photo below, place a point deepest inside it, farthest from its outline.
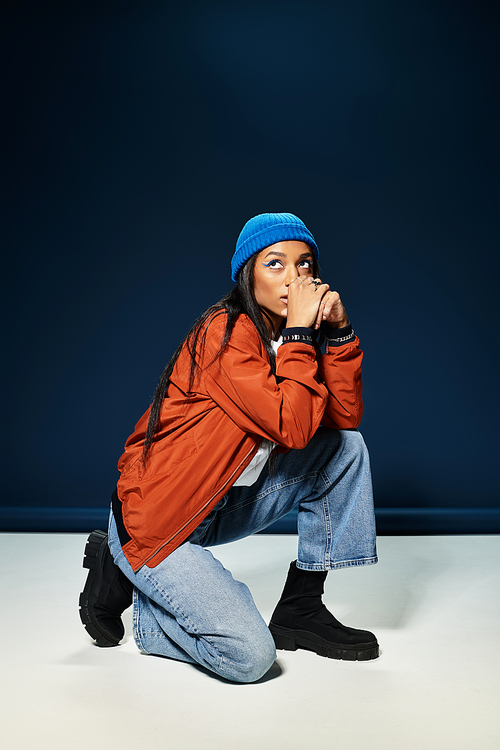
(434, 603)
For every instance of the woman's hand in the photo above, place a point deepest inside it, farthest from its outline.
(331, 311)
(304, 304)
(311, 303)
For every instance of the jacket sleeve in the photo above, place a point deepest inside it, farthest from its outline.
(286, 409)
(340, 371)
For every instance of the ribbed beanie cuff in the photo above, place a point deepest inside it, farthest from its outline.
(267, 229)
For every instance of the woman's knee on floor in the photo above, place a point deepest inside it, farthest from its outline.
(250, 659)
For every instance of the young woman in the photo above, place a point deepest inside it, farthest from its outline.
(255, 414)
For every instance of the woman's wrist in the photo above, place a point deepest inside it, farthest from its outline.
(344, 323)
(297, 322)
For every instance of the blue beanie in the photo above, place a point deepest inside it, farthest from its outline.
(264, 230)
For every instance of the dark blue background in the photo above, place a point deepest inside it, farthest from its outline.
(140, 136)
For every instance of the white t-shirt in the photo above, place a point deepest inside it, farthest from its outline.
(254, 468)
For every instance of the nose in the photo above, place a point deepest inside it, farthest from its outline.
(290, 275)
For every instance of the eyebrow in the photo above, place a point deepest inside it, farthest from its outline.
(283, 255)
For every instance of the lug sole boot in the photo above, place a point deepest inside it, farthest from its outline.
(106, 595)
(301, 620)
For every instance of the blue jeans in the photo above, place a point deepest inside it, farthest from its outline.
(189, 607)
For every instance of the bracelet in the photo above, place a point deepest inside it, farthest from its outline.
(340, 340)
(334, 343)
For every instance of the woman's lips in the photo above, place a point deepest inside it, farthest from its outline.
(284, 300)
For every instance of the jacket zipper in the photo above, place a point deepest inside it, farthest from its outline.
(252, 450)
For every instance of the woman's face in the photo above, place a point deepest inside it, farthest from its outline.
(275, 267)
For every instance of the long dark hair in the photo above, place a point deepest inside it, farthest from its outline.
(239, 300)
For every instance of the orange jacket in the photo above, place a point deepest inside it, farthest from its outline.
(206, 440)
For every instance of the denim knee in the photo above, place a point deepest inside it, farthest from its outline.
(253, 660)
(353, 441)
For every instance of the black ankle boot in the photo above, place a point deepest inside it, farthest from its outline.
(107, 593)
(301, 620)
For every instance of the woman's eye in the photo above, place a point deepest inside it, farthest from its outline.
(306, 264)
(273, 263)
